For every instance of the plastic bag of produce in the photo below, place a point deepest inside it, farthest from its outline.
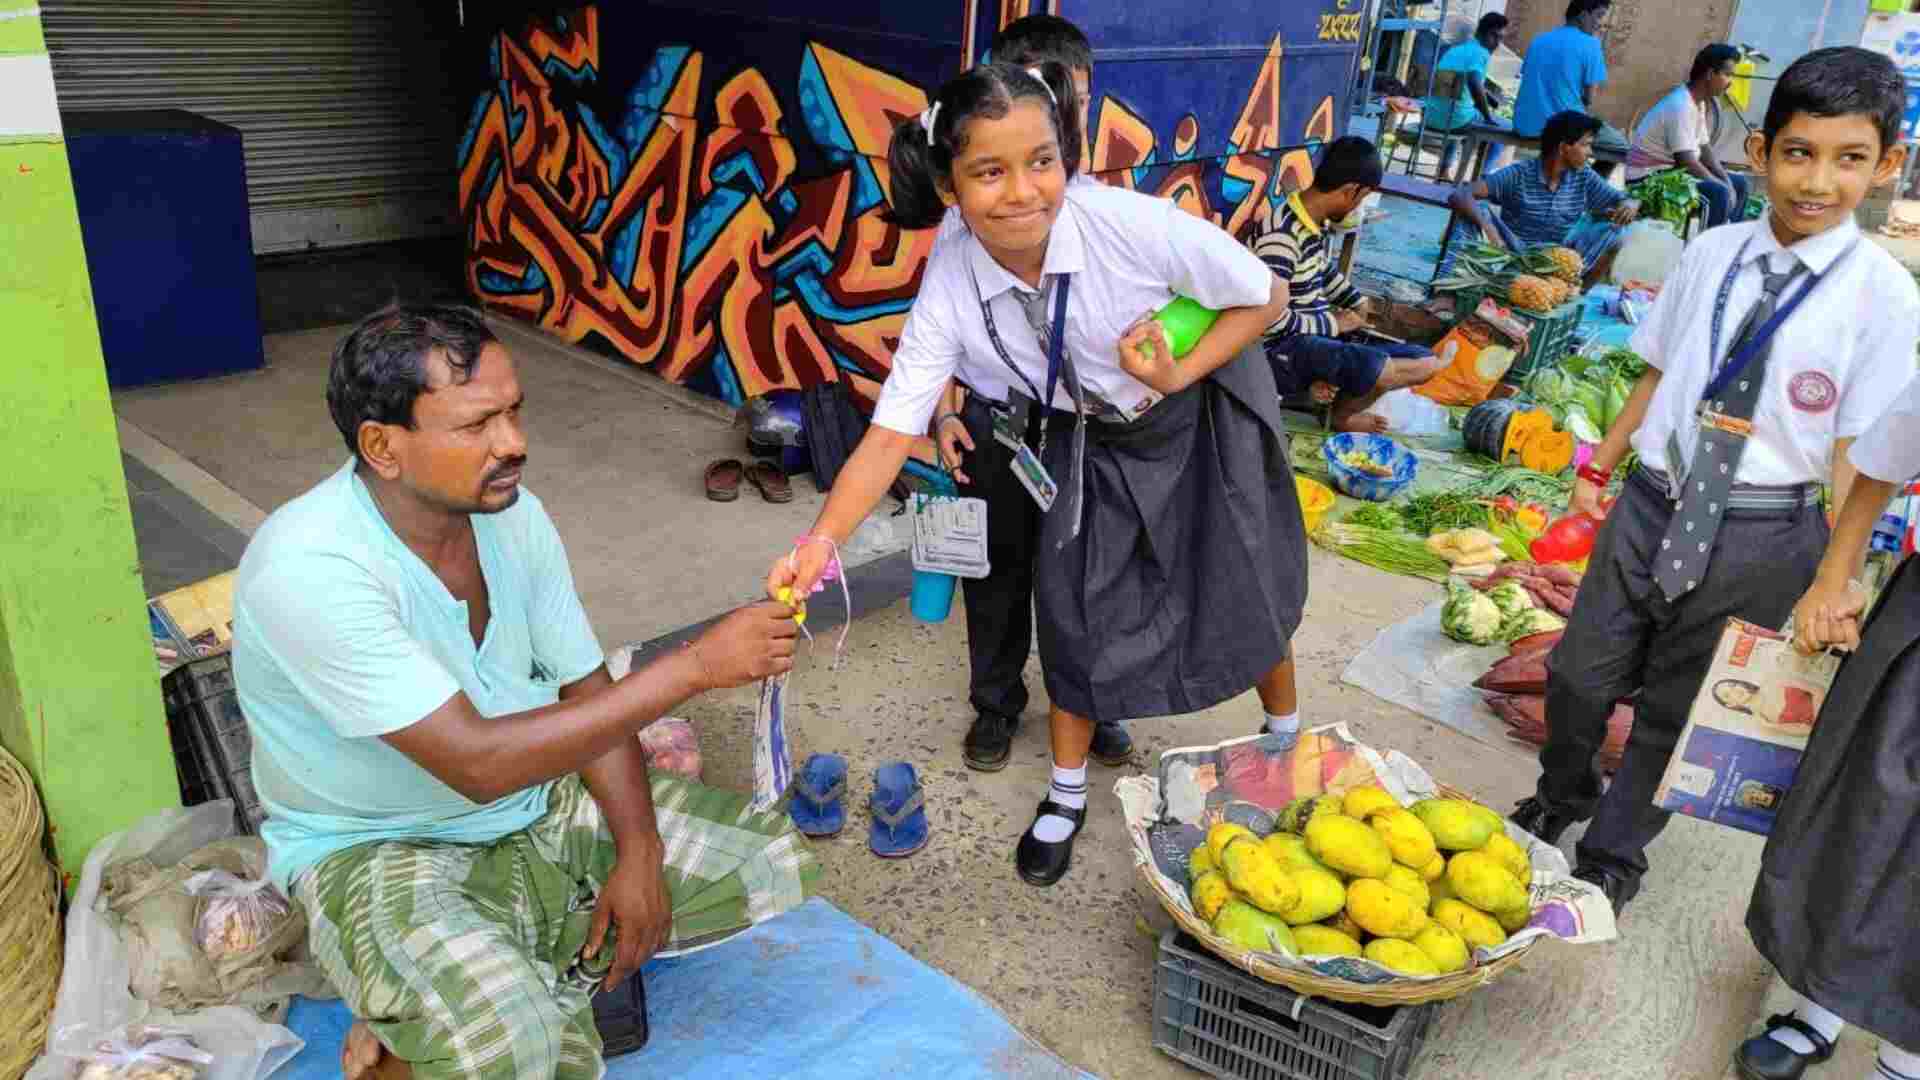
(145, 1053)
(1478, 351)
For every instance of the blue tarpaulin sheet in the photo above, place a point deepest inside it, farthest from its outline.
(811, 993)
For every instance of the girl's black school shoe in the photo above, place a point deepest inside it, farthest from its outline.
(1039, 862)
(1764, 1058)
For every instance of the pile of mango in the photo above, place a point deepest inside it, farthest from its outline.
(1414, 889)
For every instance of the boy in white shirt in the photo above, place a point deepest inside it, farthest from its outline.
(1751, 402)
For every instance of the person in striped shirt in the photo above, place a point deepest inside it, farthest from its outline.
(1321, 346)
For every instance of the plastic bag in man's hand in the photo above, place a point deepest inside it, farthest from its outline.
(234, 914)
(145, 1053)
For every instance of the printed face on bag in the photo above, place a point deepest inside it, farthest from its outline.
(1009, 181)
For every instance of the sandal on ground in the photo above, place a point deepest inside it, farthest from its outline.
(723, 479)
(899, 812)
(817, 807)
(771, 482)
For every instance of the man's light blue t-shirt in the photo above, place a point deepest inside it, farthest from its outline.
(1468, 58)
(1560, 65)
(342, 634)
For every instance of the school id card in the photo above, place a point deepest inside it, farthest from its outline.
(950, 535)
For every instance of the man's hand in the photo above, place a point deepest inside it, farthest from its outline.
(751, 643)
(1626, 212)
(1350, 320)
(1146, 355)
(635, 904)
(952, 436)
(1586, 499)
(1828, 616)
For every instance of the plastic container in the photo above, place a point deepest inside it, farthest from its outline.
(212, 749)
(1227, 1023)
(621, 1016)
(1315, 500)
(1549, 334)
(932, 596)
(1381, 449)
(1649, 250)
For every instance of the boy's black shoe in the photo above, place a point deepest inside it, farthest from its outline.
(1764, 1058)
(1111, 743)
(989, 742)
(1618, 891)
(1541, 820)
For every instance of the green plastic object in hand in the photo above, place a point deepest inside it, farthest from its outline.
(1185, 321)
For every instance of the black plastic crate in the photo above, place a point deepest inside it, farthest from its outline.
(212, 750)
(1225, 1022)
(621, 1016)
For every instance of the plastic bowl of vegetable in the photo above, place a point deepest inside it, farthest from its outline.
(1371, 467)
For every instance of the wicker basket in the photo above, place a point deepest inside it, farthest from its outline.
(29, 923)
(1313, 984)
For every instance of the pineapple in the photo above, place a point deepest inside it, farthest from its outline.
(1532, 293)
(1568, 266)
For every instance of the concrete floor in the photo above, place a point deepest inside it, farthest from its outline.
(617, 459)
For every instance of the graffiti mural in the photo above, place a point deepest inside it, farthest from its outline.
(713, 210)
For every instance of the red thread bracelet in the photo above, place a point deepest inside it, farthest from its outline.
(1594, 476)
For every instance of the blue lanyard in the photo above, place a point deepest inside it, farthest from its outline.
(1063, 283)
(1762, 333)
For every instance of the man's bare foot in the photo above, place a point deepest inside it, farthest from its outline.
(364, 1058)
(1365, 423)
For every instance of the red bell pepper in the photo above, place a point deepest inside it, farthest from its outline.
(1569, 539)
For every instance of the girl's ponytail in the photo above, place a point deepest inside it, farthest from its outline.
(1058, 78)
(918, 160)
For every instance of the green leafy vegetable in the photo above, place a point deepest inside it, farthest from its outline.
(1375, 516)
(1666, 196)
(1442, 511)
(1469, 616)
(1394, 552)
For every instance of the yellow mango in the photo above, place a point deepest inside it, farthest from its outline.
(1348, 845)
(1515, 920)
(1456, 824)
(1199, 861)
(1476, 928)
(1406, 836)
(1317, 940)
(1210, 893)
(1480, 880)
(1446, 949)
(1510, 855)
(1321, 895)
(1296, 814)
(1223, 834)
(1257, 877)
(1400, 956)
(1409, 882)
(1344, 923)
(1384, 911)
(1438, 889)
(1364, 802)
(1250, 928)
(1435, 869)
(1290, 851)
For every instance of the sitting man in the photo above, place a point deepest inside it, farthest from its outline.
(1473, 103)
(1316, 346)
(454, 788)
(1554, 200)
(1677, 135)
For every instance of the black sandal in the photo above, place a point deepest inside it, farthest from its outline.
(1039, 862)
(1766, 1058)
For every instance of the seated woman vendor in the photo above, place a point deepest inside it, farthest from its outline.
(1554, 200)
(1320, 344)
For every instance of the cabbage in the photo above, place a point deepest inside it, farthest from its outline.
(1532, 620)
(1510, 597)
(1469, 616)
(1580, 425)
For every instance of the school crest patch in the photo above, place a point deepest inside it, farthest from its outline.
(1812, 391)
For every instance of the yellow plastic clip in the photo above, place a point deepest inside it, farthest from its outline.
(799, 610)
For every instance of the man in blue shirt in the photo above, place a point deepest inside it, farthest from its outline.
(1562, 69)
(1554, 200)
(455, 792)
(1471, 103)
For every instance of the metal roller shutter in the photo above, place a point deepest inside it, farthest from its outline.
(347, 107)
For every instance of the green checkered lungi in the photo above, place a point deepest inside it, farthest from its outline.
(464, 958)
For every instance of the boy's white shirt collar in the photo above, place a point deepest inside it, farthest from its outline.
(1817, 253)
(1066, 254)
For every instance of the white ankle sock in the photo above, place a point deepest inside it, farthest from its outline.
(1284, 725)
(1815, 1017)
(1896, 1064)
(1069, 789)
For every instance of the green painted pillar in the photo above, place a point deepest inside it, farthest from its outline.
(79, 690)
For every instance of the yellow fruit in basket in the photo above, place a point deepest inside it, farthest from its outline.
(1348, 845)
(1344, 923)
(1250, 928)
(1406, 836)
(1296, 814)
(1384, 911)
(1317, 940)
(1223, 834)
(1477, 928)
(1400, 956)
(1435, 869)
(1364, 802)
(1321, 894)
(1446, 949)
(1501, 848)
(1409, 882)
(1516, 920)
(1210, 893)
(1456, 824)
(1480, 880)
(1199, 861)
(1290, 851)
(1439, 889)
(1257, 877)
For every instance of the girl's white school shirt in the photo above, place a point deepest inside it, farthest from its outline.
(1835, 366)
(1890, 450)
(1128, 254)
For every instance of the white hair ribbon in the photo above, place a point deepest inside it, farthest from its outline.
(929, 117)
(1042, 80)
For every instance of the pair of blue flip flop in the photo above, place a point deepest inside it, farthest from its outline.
(898, 808)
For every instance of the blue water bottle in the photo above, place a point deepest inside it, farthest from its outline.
(932, 597)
